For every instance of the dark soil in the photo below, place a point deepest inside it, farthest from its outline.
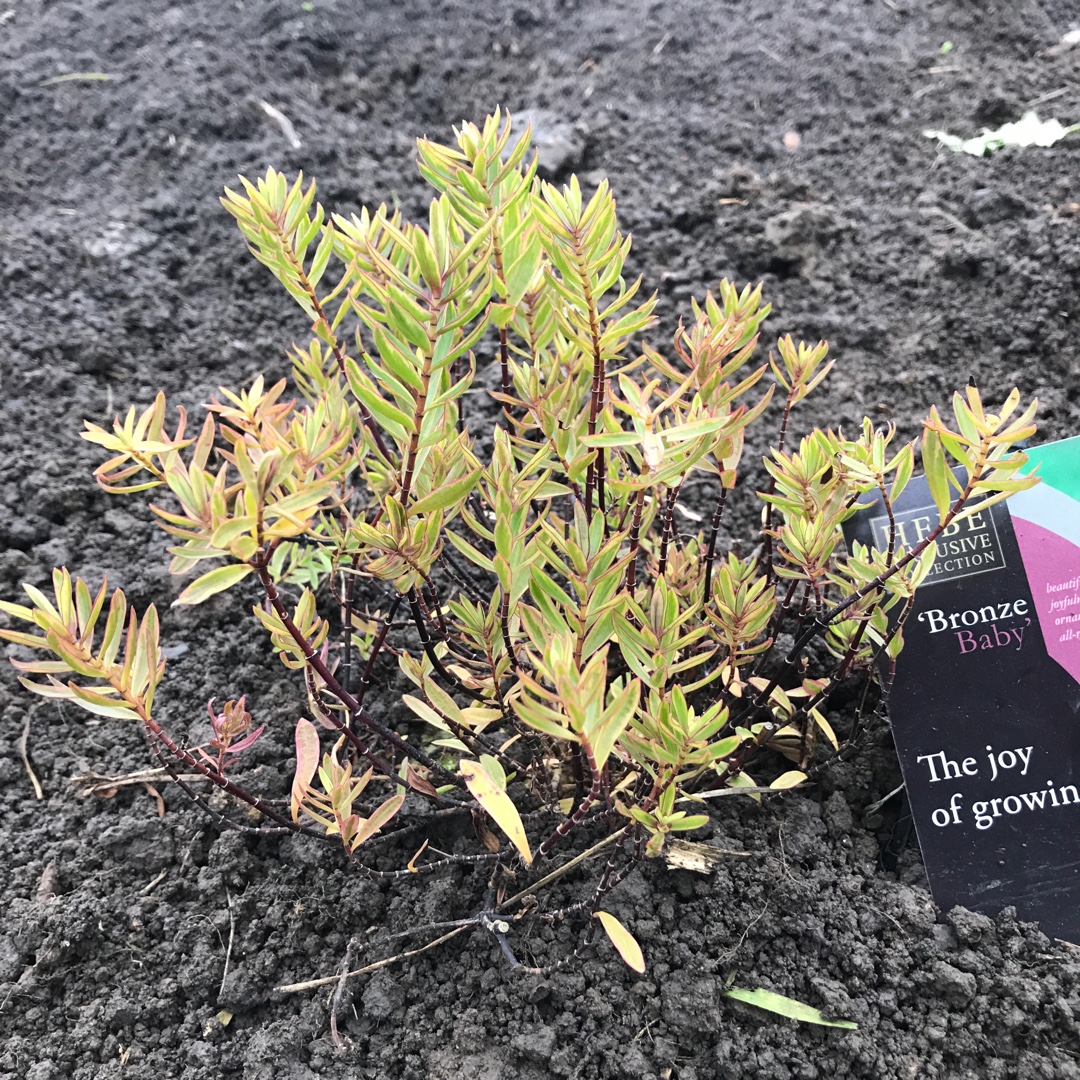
(124, 934)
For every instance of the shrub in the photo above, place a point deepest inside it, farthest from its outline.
(575, 654)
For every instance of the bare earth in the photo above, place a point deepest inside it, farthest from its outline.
(123, 933)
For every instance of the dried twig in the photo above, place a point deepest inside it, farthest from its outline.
(105, 787)
(149, 888)
(228, 948)
(314, 984)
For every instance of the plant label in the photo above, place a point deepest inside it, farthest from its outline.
(985, 705)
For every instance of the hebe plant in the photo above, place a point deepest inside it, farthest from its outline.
(575, 655)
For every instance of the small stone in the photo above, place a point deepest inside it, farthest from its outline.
(969, 926)
(52, 553)
(119, 240)
(688, 1002)
(43, 1070)
(537, 1044)
(837, 815)
(560, 144)
(142, 845)
(120, 521)
(631, 1064)
(242, 989)
(382, 997)
(202, 1054)
(957, 987)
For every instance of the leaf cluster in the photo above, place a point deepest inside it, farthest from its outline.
(576, 653)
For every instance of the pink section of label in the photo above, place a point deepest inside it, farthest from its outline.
(1052, 565)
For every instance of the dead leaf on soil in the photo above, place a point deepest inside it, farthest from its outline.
(625, 943)
(699, 858)
(77, 76)
(47, 884)
(785, 1006)
(1029, 130)
(24, 740)
(282, 122)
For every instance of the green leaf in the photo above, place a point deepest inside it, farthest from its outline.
(612, 722)
(406, 319)
(380, 816)
(101, 704)
(51, 689)
(741, 780)
(612, 438)
(473, 554)
(229, 530)
(494, 769)
(936, 470)
(426, 260)
(393, 419)
(824, 726)
(401, 364)
(687, 823)
(445, 496)
(213, 582)
(625, 943)
(41, 667)
(785, 1006)
(17, 611)
(322, 256)
(27, 640)
(520, 273)
(425, 711)
(502, 314)
(544, 720)
(497, 803)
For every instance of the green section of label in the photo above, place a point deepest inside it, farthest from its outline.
(1058, 464)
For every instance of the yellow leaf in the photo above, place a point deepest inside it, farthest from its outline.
(213, 582)
(826, 728)
(497, 803)
(625, 943)
(788, 780)
(411, 865)
(744, 781)
(425, 711)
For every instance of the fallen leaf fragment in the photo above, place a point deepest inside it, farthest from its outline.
(24, 753)
(1029, 130)
(785, 1006)
(698, 858)
(625, 943)
(76, 76)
